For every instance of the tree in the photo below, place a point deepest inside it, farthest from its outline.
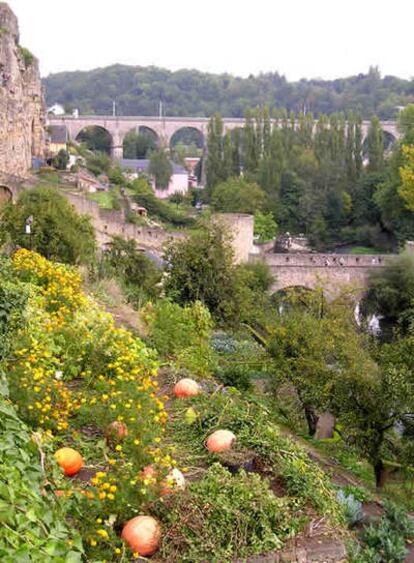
(201, 268)
(406, 190)
(138, 145)
(391, 292)
(312, 344)
(372, 399)
(215, 172)
(237, 195)
(161, 169)
(61, 160)
(57, 231)
(265, 227)
(138, 273)
(375, 142)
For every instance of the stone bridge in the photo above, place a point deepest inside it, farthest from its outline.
(164, 128)
(332, 271)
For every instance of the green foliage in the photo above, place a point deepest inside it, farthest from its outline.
(385, 542)
(33, 526)
(27, 56)
(144, 195)
(96, 139)
(138, 90)
(98, 162)
(237, 376)
(61, 160)
(139, 274)
(391, 292)
(237, 195)
(200, 523)
(265, 227)
(138, 145)
(13, 299)
(160, 168)
(58, 232)
(254, 429)
(181, 334)
(351, 507)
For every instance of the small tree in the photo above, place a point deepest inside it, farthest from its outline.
(61, 160)
(265, 227)
(237, 195)
(57, 232)
(161, 169)
(201, 269)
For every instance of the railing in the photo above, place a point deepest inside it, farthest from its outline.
(328, 260)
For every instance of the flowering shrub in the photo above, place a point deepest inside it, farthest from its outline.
(73, 370)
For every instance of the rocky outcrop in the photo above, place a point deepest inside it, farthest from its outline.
(22, 115)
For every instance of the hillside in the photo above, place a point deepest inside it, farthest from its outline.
(138, 90)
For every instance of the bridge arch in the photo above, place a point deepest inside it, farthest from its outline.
(191, 137)
(139, 141)
(96, 137)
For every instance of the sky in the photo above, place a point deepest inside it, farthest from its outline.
(298, 38)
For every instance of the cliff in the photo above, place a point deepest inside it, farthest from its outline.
(22, 115)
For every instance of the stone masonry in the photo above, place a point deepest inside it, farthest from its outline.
(22, 115)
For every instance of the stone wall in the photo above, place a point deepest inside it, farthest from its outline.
(241, 227)
(108, 223)
(22, 115)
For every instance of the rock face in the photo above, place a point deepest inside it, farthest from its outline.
(22, 114)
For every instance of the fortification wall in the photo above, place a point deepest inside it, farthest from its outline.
(110, 223)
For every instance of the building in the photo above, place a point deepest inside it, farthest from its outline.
(56, 109)
(58, 139)
(179, 181)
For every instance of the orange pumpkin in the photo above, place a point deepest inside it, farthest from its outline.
(142, 534)
(148, 472)
(220, 441)
(174, 481)
(117, 431)
(187, 388)
(69, 460)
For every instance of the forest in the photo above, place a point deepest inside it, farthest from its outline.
(323, 180)
(139, 90)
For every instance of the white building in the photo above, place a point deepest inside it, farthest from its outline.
(179, 181)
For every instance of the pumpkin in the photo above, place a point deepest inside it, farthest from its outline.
(69, 460)
(187, 388)
(148, 472)
(220, 441)
(142, 534)
(174, 481)
(116, 431)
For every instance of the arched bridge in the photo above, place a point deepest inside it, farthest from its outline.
(331, 271)
(164, 128)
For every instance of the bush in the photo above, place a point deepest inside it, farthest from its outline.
(33, 526)
(237, 376)
(68, 339)
(58, 232)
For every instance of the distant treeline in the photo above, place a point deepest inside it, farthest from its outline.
(139, 90)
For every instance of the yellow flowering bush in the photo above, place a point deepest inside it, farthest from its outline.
(73, 370)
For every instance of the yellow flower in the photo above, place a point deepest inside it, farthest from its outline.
(103, 533)
(118, 448)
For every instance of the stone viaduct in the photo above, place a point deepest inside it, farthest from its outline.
(331, 271)
(164, 128)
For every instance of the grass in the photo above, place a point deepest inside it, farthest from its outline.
(365, 250)
(103, 199)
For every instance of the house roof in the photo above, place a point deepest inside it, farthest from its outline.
(58, 134)
(142, 165)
